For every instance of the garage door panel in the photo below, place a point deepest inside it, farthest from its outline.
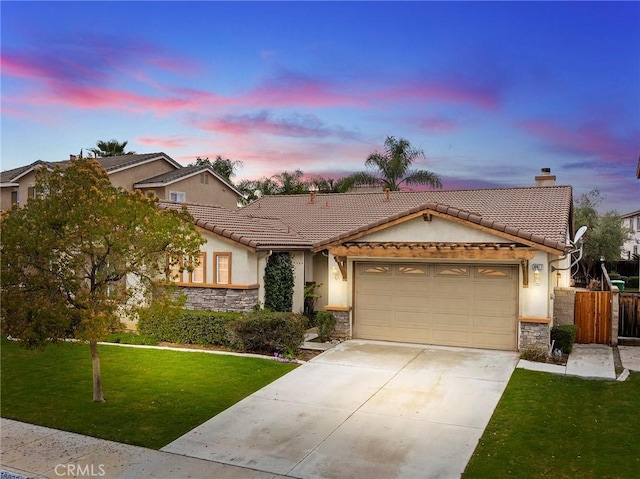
(451, 306)
(458, 305)
(496, 340)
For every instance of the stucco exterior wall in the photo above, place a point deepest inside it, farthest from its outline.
(25, 182)
(298, 281)
(5, 197)
(321, 278)
(436, 230)
(535, 301)
(213, 193)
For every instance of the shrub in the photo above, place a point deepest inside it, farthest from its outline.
(632, 283)
(564, 335)
(189, 327)
(268, 332)
(534, 354)
(131, 338)
(326, 323)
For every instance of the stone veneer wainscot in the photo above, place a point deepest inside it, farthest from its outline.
(220, 299)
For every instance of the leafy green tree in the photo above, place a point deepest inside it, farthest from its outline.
(278, 282)
(329, 185)
(391, 168)
(223, 166)
(291, 183)
(83, 255)
(284, 183)
(110, 148)
(605, 233)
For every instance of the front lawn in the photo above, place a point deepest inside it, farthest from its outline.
(555, 426)
(152, 396)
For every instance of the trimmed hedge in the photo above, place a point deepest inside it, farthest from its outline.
(632, 283)
(131, 338)
(268, 332)
(190, 327)
(262, 331)
(564, 336)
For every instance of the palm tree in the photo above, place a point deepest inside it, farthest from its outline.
(392, 168)
(110, 148)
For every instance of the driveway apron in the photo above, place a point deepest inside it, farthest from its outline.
(360, 410)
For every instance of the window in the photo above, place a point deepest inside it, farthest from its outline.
(631, 224)
(637, 224)
(178, 196)
(198, 273)
(204, 178)
(14, 197)
(377, 270)
(493, 272)
(452, 271)
(174, 269)
(222, 264)
(413, 270)
(33, 193)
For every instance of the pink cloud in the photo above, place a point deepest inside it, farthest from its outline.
(591, 139)
(163, 143)
(447, 91)
(437, 124)
(289, 89)
(296, 125)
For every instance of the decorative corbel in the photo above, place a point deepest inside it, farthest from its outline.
(525, 272)
(342, 265)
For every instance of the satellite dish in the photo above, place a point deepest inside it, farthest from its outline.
(579, 234)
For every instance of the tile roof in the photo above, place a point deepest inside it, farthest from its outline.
(8, 176)
(109, 163)
(540, 215)
(256, 233)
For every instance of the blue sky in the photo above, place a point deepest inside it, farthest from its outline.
(491, 91)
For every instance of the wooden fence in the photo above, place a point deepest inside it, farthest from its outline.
(629, 317)
(593, 317)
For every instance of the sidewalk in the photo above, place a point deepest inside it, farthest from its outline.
(590, 361)
(30, 451)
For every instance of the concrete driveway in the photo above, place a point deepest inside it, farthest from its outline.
(362, 409)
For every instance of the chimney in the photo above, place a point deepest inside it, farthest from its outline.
(545, 178)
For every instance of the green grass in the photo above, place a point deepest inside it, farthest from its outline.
(555, 426)
(152, 396)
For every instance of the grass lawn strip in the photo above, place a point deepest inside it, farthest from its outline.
(548, 425)
(152, 396)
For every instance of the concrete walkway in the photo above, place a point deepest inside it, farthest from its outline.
(590, 361)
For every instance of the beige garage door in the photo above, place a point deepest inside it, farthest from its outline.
(446, 304)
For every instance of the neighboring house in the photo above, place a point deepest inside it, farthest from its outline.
(462, 268)
(631, 246)
(153, 173)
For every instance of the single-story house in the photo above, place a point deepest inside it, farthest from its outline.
(462, 268)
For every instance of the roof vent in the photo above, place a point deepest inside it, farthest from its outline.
(545, 178)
